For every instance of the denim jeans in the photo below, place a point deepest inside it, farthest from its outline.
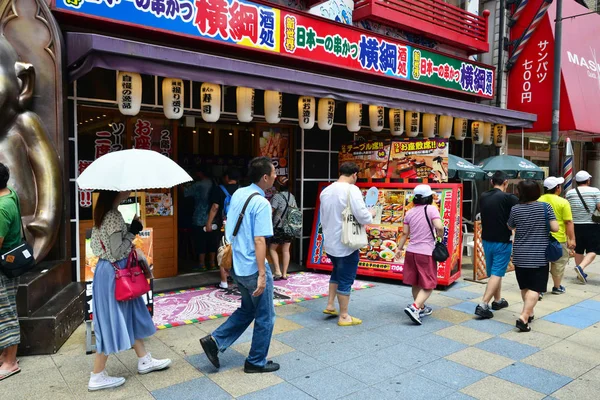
(344, 272)
(258, 309)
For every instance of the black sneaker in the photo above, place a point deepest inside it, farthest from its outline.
(211, 350)
(499, 305)
(270, 366)
(484, 313)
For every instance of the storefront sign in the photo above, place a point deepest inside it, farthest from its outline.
(146, 137)
(371, 158)
(412, 159)
(300, 36)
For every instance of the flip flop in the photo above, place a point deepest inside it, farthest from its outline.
(284, 277)
(5, 373)
(276, 277)
(330, 312)
(355, 321)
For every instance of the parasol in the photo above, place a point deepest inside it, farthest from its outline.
(464, 169)
(568, 166)
(513, 166)
(133, 169)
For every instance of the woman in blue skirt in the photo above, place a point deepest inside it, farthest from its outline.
(119, 325)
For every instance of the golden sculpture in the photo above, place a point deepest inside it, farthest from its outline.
(35, 169)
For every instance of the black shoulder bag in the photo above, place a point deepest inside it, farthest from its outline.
(595, 215)
(440, 251)
(19, 259)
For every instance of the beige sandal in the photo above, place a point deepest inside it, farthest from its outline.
(6, 373)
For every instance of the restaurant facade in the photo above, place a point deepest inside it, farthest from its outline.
(213, 83)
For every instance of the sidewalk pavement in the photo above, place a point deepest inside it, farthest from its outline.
(451, 356)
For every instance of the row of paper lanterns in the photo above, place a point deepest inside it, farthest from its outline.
(129, 96)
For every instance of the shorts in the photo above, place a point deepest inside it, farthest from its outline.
(420, 270)
(535, 279)
(557, 268)
(344, 272)
(587, 237)
(497, 257)
(206, 242)
(279, 237)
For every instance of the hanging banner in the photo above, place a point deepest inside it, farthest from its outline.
(299, 36)
(418, 159)
(274, 143)
(371, 158)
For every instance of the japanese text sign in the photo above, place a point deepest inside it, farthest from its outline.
(301, 36)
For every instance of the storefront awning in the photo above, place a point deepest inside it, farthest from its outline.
(88, 51)
(530, 80)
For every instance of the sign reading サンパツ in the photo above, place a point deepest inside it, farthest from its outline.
(295, 35)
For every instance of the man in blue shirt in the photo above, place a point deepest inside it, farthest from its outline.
(250, 271)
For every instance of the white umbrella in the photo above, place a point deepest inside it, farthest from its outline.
(132, 170)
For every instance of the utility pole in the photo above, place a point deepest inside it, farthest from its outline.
(554, 155)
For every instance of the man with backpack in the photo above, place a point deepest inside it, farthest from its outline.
(220, 198)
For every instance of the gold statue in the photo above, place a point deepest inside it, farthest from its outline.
(26, 149)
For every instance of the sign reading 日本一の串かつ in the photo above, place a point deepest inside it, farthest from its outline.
(294, 35)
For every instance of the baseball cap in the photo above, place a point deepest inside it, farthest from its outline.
(423, 190)
(582, 176)
(551, 182)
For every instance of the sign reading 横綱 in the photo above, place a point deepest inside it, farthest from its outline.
(300, 36)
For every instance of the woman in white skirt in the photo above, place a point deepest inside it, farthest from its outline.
(118, 325)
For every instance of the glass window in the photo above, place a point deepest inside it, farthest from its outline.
(88, 87)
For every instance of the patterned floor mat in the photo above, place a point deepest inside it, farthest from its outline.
(191, 306)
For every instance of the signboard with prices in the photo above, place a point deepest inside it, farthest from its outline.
(296, 35)
(382, 257)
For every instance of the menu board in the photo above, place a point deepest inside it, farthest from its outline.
(371, 158)
(382, 257)
(159, 204)
(414, 159)
(274, 143)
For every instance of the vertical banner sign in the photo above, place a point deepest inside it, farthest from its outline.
(298, 36)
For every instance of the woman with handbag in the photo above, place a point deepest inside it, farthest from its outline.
(420, 267)
(532, 222)
(118, 325)
(10, 236)
(280, 203)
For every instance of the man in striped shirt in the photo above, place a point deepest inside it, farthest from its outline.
(584, 200)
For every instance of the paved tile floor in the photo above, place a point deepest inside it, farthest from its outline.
(451, 356)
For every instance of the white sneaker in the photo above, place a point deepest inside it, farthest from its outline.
(148, 364)
(103, 381)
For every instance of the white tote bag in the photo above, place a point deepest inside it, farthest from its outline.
(354, 234)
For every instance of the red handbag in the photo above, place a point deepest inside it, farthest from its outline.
(130, 282)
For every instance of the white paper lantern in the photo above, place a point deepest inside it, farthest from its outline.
(412, 123)
(461, 126)
(445, 126)
(376, 118)
(477, 132)
(210, 102)
(306, 112)
(245, 104)
(396, 117)
(273, 106)
(429, 125)
(353, 116)
(172, 93)
(499, 135)
(326, 114)
(487, 134)
(129, 92)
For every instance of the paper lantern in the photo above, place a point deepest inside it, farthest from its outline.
(396, 117)
(376, 118)
(411, 121)
(445, 126)
(430, 123)
(129, 92)
(499, 135)
(172, 93)
(487, 134)
(461, 125)
(273, 106)
(245, 104)
(353, 116)
(326, 114)
(477, 132)
(210, 102)
(306, 112)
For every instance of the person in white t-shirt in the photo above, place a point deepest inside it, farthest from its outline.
(584, 200)
(334, 200)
